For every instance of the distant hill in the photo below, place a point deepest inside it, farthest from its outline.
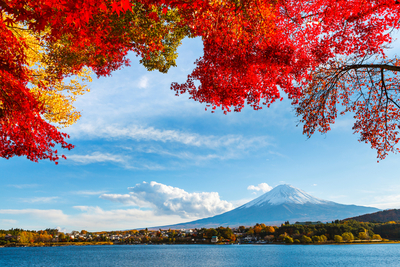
(283, 203)
(380, 216)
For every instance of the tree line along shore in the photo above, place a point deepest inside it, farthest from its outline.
(336, 232)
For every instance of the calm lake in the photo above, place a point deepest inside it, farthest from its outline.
(204, 255)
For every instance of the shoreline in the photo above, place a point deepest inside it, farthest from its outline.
(23, 245)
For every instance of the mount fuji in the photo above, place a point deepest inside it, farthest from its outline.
(282, 203)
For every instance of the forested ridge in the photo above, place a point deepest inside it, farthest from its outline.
(380, 216)
(348, 231)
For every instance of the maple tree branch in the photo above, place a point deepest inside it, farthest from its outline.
(375, 66)
(386, 91)
(309, 16)
(386, 106)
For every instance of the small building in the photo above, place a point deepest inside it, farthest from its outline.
(214, 239)
(249, 238)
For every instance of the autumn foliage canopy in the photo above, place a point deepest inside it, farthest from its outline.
(321, 54)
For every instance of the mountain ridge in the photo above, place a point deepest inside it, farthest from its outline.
(282, 203)
(284, 194)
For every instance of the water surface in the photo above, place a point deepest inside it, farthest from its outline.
(204, 255)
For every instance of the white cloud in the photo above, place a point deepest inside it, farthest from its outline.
(97, 157)
(186, 146)
(222, 147)
(123, 160)
(387, 202)
(61, 229)
(8, 221)
(89, 218)
(164, 199)
(277, 154)
(187, 155)
(97, 218)
(89, 192)
(51, 215)
(23, 186)
(264, 187)
(388, 198)
(144, 82)
(140, 133)
(39, 199)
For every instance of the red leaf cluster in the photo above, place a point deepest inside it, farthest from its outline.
(254, 50)
(23, 132)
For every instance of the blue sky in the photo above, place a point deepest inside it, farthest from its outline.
(145, 157)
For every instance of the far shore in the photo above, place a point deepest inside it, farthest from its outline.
(63, 244)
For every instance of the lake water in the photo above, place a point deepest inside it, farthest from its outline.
(204, 255)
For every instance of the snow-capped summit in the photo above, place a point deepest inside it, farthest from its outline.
(283, 203)
(284, 194)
